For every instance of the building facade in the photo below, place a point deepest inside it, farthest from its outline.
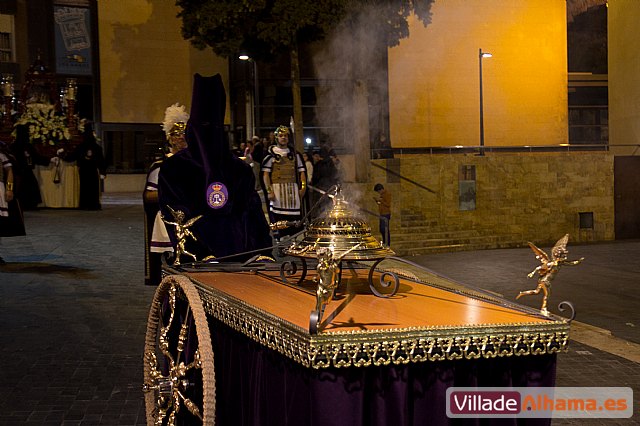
(421, 95)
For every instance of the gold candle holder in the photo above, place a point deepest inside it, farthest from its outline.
(71, 92)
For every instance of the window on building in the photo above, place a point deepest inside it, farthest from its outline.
(588, 79)
(132, 148)
(7, 45)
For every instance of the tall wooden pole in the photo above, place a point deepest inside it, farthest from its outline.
(297, 99)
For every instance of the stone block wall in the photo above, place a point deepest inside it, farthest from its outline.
(520, 197)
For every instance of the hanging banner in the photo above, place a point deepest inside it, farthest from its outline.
(73, 40)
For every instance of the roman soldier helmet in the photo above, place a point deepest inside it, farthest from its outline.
(281, 131)
(175, 120)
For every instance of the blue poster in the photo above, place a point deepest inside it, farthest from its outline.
(73, 40)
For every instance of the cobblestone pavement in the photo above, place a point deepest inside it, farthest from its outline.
(73, 313)
(604, 288)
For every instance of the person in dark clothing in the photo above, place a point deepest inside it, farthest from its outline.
(258, 151)
(258, 156)
(27, 189)
(384, 209)
(207, 179)
(11, 220)
(92, 169)
(156, 239)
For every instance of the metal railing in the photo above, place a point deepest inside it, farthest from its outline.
(489, 149)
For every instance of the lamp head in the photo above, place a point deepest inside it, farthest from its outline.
(484, 54)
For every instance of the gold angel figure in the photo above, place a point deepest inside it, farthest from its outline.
(327, 279)
(548, 269)
(182, 232)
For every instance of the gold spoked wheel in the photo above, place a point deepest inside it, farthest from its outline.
(179, 380)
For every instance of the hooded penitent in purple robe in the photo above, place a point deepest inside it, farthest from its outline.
(207, 179)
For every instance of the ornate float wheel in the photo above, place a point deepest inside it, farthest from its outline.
(179, 380)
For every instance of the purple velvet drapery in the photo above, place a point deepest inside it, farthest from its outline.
(258, 386)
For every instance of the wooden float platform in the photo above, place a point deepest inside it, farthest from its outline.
(430, 318)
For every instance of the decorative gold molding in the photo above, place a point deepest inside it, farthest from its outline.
(365, 348)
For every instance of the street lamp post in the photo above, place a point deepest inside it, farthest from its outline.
(481, 55)
(256, 93)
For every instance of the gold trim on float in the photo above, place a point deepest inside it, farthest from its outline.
(364, 348)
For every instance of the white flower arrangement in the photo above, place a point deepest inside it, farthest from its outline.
(45, 125)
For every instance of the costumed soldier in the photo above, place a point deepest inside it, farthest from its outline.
(285, 181)
(207, 179)
(156, 237)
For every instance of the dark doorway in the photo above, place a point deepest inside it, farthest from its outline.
(626, 171)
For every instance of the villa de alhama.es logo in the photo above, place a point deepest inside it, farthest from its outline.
(540, 402)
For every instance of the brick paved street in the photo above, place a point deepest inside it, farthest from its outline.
(73, 311)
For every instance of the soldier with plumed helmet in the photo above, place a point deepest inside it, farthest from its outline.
(284, 179)
(156, 237)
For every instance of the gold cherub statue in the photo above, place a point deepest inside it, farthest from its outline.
(548, 269)
(327, 279)
(182, 232)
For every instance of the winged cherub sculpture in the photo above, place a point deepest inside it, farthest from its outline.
(182, 232)
(548, 269)
(328, 275)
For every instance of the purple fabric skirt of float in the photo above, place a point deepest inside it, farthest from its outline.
(258, 386)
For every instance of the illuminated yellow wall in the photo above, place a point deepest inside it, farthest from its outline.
(145, 64)
(434, 81)
(624, 76)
